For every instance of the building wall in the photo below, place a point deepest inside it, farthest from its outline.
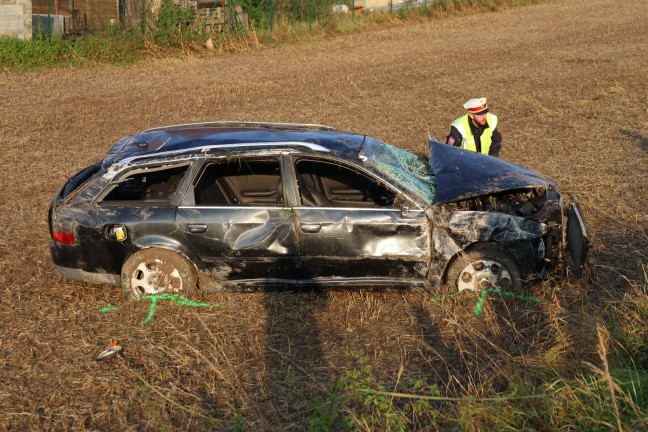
(82, 15)
(100, 14)
(15, 18)
(56, 7)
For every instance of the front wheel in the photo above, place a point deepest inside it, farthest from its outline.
(157, 271)
(483, 266)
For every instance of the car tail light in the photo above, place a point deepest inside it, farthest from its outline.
(63, 237)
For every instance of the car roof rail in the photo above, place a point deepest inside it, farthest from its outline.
(245, 124)
(220, 147)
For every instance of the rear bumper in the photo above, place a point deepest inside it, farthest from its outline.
(84, 276)
(577, 241)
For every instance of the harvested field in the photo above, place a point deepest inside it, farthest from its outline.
(569, 81)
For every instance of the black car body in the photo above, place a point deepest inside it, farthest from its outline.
(231, 205)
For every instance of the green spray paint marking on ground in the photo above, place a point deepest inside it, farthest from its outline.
(482, 297)
(175, 298)
(441, 297)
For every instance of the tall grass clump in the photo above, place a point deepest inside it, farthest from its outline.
(172, 29)
(119, 45)
(595, 399)
(361, 402)
(606, 389)
(20, 54)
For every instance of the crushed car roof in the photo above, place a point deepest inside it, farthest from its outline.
(200, 136)
(462, 174)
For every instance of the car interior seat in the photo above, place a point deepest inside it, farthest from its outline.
(210, 192)
(311, 197)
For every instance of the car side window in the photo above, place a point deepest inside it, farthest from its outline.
(325, 184)
(240, 182)
(155, 185)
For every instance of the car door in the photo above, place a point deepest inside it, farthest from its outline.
(352, 228)
(236, 219)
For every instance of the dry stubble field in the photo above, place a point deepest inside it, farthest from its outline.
(569, 82)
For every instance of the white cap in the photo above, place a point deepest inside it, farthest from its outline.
(477, 105)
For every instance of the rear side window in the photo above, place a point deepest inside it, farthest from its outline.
(240, 182)
(148, 186)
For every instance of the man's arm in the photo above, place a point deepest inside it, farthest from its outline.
(496, 143)
(454, 138)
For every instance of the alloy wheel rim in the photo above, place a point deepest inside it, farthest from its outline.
(154, 277)
(482, 274)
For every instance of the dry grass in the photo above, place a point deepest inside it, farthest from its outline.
(568, 80)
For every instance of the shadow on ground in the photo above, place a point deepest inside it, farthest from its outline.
(641, 140)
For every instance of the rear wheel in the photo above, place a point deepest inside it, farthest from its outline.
(483, 266)
(157, 271)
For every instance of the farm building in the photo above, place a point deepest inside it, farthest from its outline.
(83, 15)
(80, 16)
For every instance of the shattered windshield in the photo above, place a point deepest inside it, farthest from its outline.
(401, 166)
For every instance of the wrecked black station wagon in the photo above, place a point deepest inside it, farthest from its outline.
(239, 205)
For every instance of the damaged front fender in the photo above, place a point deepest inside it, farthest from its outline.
(453, 232)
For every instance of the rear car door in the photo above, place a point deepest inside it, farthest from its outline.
(237, 221)
(351, 225)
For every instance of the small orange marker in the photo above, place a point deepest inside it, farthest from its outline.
(114, 349)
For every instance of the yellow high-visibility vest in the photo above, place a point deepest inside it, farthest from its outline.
(462, 124)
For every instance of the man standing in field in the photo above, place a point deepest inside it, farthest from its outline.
(477, 130)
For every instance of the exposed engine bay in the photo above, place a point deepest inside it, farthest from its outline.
(524, 203)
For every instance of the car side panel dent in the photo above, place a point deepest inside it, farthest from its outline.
(358, 232)
(267, 230)
(240, 242)
(240, 229)
(362, 242)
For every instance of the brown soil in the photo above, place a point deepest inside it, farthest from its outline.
(568, 80)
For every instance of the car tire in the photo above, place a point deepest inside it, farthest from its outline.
(157, 271)
(480, 267)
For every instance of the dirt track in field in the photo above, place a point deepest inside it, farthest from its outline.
(568, 80)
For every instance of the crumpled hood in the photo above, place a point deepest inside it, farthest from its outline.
(462, 174)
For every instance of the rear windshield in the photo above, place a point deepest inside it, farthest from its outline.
(79, 179)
